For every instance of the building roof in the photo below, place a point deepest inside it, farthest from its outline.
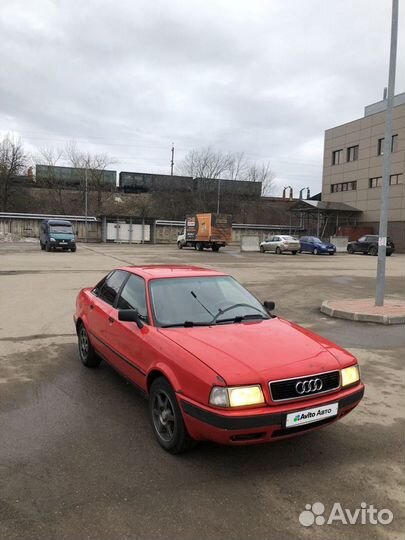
(323, 206)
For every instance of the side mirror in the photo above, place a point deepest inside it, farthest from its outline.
(130, 315)
(269, 305)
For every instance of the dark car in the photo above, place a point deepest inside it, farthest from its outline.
(368, 245)
(313, 244)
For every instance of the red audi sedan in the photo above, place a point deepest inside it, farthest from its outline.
(214, 363)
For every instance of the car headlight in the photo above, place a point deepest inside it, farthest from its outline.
(52, 239)
(350, 375)
(236, 396)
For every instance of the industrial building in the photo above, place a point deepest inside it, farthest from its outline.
(353, 164)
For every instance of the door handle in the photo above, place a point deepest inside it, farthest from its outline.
(111, 320)
(91, 306)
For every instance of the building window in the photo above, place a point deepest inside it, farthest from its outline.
(343, 186)
(374, 182)
(337, 157)
(353, 153)
(395, 179)
(380, 146)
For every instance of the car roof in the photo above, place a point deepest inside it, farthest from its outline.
(156, 271)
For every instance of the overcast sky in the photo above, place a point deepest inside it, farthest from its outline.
(128, 77)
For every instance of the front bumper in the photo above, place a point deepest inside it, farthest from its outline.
(64, 244)
(243, 427)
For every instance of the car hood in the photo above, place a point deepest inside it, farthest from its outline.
(260, 351)
(326, 245)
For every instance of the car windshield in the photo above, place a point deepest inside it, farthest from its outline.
(66, 229)
(289, 238)
(202, 301)
(316, 240)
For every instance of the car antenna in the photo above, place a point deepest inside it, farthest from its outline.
(201, 304)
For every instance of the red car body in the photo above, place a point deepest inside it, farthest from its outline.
(196, 359)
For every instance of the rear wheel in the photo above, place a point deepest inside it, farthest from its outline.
(278, 250)
(166, 418)
(215, 247)
(179, 245)
(294, 252)
(261, 249)
(331, 252)
(42, 246)
(389, 254)
(87, 354)
(199, 246)
(373, 250)
(315, 252)
(350, 250)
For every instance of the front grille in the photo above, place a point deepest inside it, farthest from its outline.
(286, 389)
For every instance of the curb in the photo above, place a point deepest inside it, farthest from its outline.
(327, 309)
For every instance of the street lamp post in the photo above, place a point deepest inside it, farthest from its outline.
(382, 240)
(85, 204)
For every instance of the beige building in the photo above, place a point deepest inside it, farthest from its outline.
(353, 162)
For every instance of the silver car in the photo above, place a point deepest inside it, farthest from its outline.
(280, 243)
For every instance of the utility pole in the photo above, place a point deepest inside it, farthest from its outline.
(382, 240)
(85, 204)
(172, 161)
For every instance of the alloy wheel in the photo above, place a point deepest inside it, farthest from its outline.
(83, 343)
(164, 419)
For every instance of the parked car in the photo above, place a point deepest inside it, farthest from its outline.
(214, 363)
(57, 233)
(368, 244)
(280, 243)
(314, 245)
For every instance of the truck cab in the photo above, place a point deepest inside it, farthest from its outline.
(57, 234)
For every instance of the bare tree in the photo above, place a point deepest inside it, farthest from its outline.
(13, 161)
(209, 163)
(94, 166)
(53, 179)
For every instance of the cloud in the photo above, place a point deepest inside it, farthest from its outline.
(128, 78)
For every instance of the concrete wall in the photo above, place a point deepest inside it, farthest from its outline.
(29, 228)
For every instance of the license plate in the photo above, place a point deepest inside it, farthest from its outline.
(330, 249)
(315, 414)
(63, 242)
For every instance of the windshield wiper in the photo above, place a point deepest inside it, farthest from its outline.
(185, 324)
(240, 318)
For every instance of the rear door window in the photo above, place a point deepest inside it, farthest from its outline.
(112, 286)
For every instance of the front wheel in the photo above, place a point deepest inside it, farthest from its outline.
(315, 252)
(331, 252)
(199, 246)
(215, 247)
(87, 354)
(42, 246)
(166, 418)
(47, 247)
(179, 245)
(294, 252)
(389, 254)
(373, 251)
(261, 249)
(350, 250)
(73, 249)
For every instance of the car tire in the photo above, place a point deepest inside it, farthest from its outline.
(331, 253)
(166, 418)
(373, 251)
(350, 250)
(215, 248)
(199, 246)
(42, 246)
(294, 252)
(315, 251)
(73, 249)
(261, 249)
(278, 251)
(389, 254)
(179, 245)
(47, 247)
(87, 354)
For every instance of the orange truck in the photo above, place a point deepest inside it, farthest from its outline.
(206, 231)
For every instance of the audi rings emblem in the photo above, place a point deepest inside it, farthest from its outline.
(308, 386)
